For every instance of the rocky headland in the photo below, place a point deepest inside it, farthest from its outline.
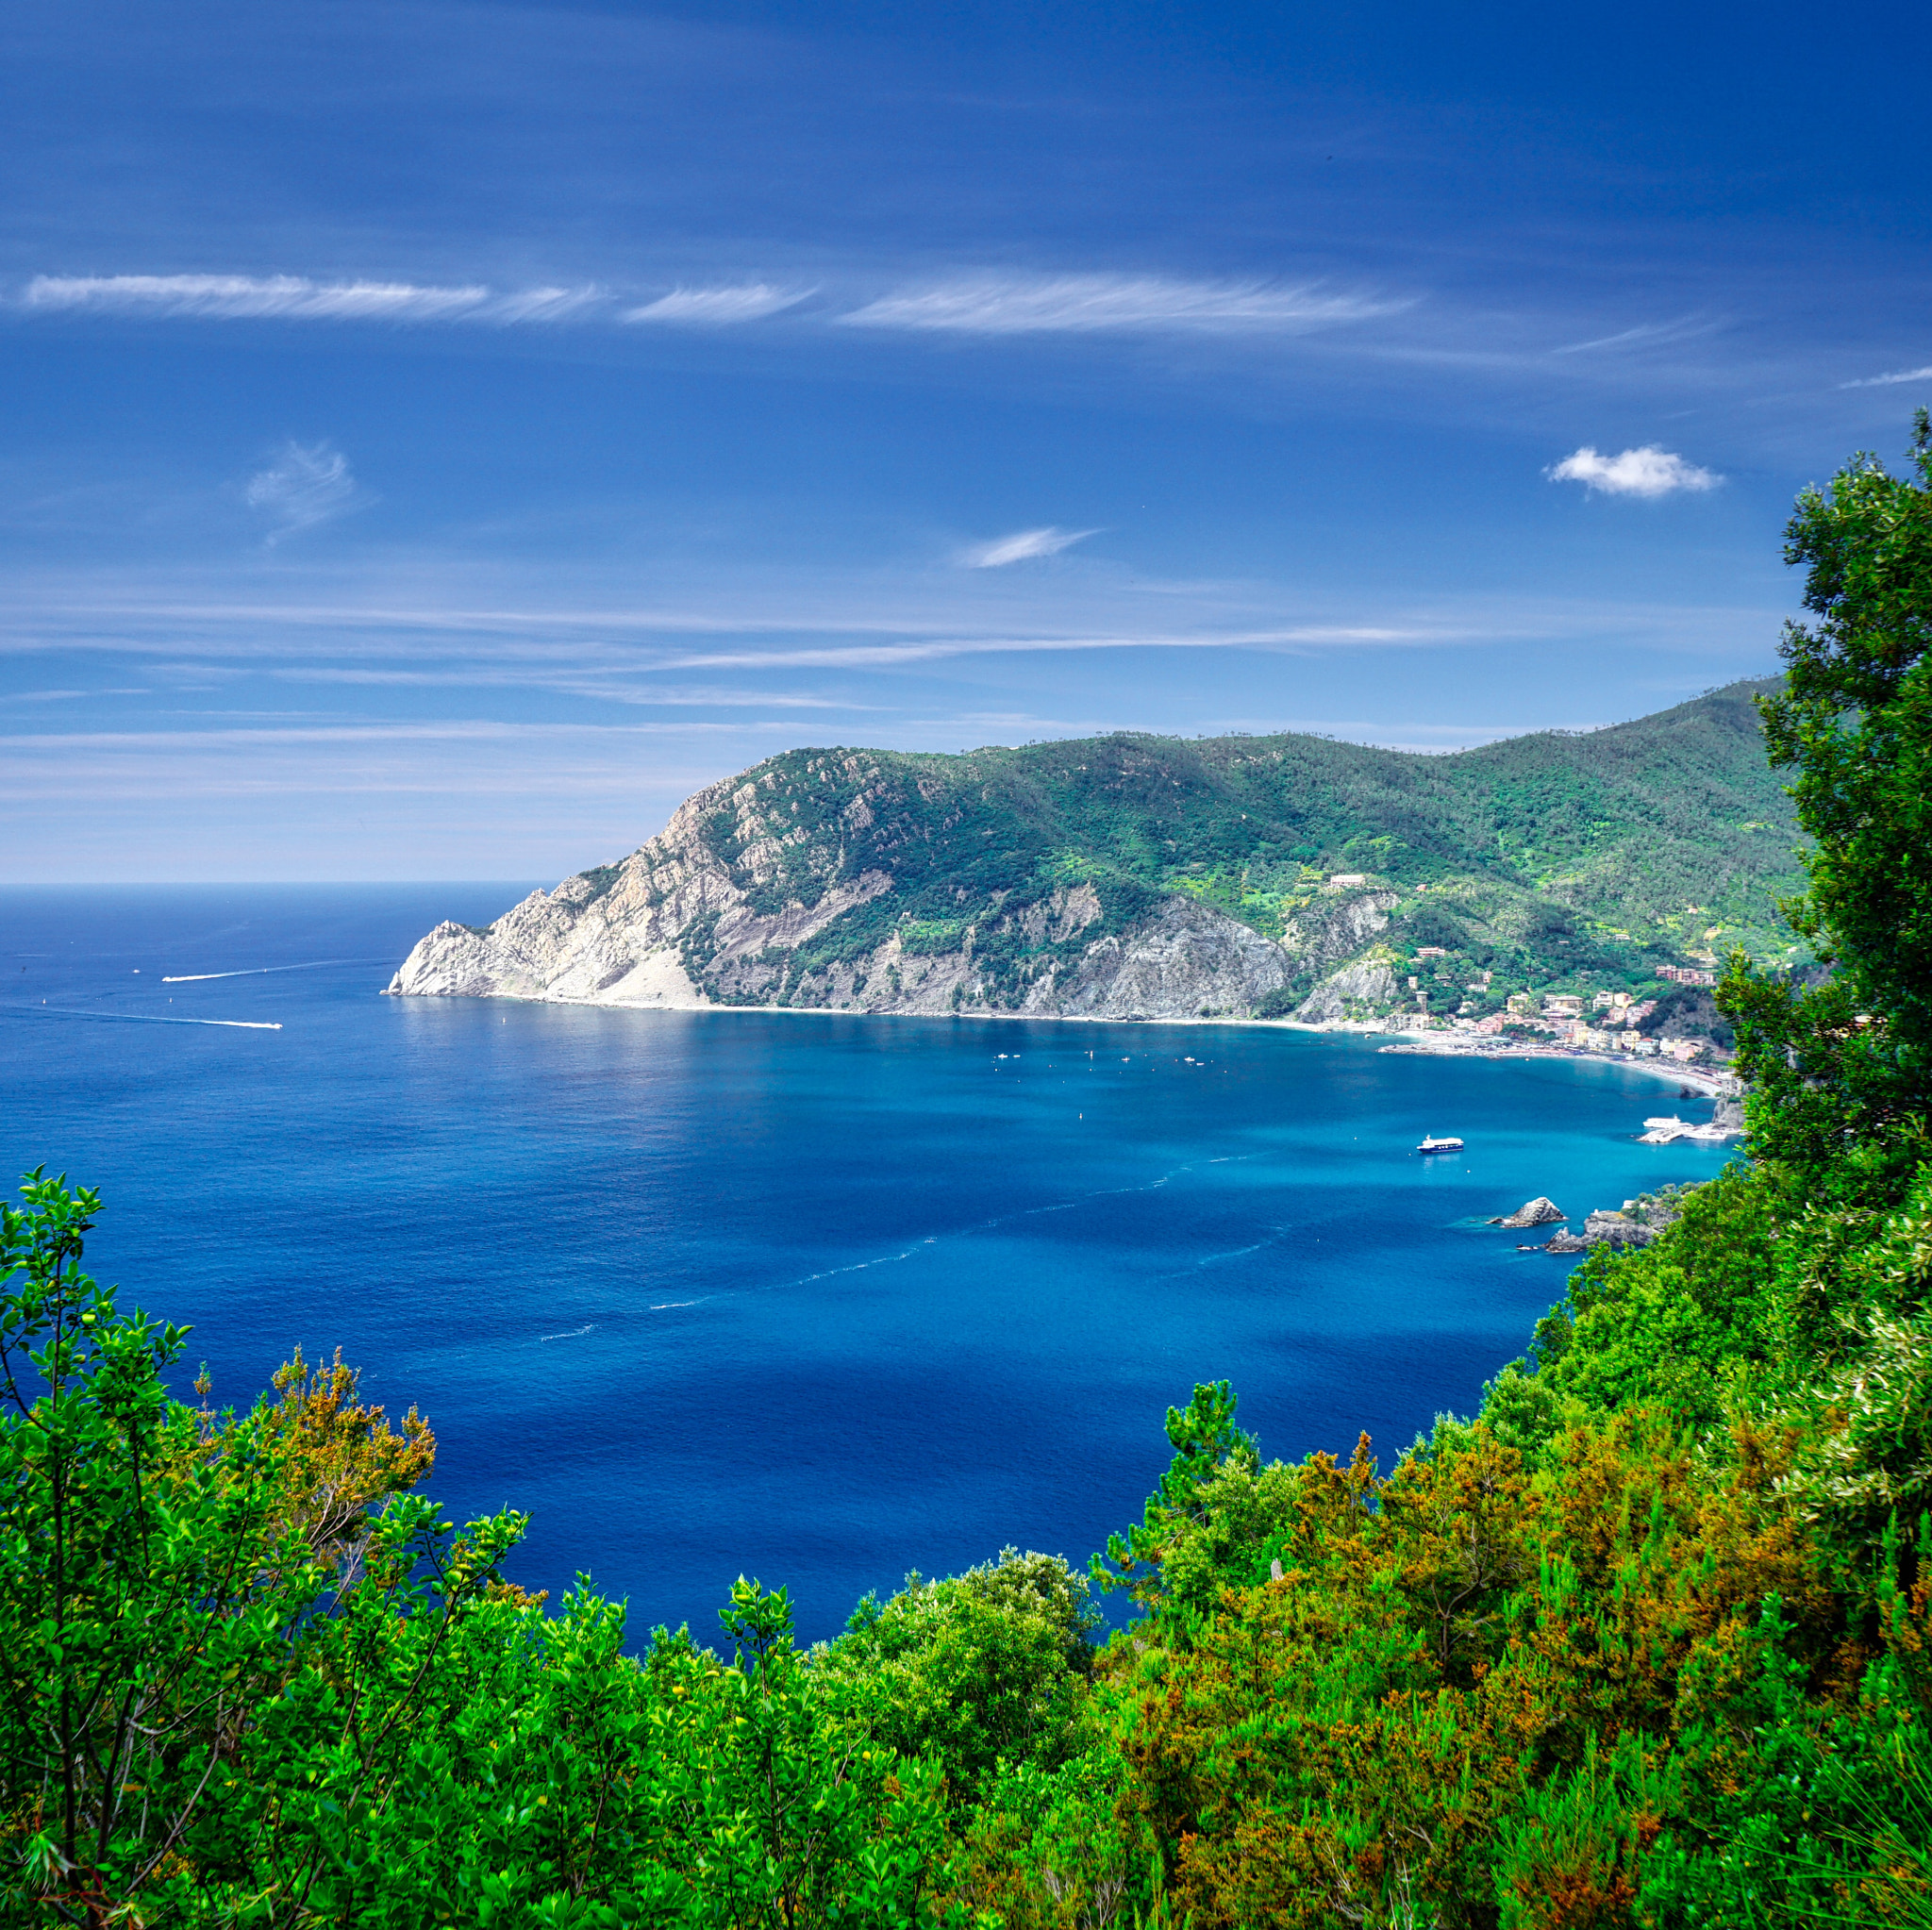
(1133, 877)
(696, 920)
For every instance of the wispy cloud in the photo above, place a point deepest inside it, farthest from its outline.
(1897, 375)
(297, 298)
(615, 686)
(712, 307)
(878, 655)
(544, 304)
(304, 486)
(64, 697)
(1145, 303)
(467, 612)
(1021, 544)
(236, 296)
(1645, 335)
(1650, 471)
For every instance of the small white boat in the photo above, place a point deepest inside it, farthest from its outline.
(1435, 1145)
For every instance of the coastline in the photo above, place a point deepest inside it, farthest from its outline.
(1701, 1078)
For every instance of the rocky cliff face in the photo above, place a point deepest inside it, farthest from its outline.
(735, 906)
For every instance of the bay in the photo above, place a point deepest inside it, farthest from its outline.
(814, 1298)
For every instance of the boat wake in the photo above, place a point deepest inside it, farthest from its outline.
(589, 1326)
(141, 1017)
(999, 1219)
(260, 970)
(886, 1260)
(1238, 1252)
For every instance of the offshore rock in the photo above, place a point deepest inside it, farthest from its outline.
(1637, 1224)
(1617, 1230)
(1540, 1211)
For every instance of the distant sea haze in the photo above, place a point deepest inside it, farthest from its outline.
(819, 1299)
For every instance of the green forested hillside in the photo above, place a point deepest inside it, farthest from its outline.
(1644, 1643)
(1543, 860)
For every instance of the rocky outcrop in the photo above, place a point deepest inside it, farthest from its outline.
(1636, 1223)
(1600, 1229)
(1358, 993)
(1540, 1211)
(1616, 1229)
(1335, 928)
(1728, 1113)
(1188, 961)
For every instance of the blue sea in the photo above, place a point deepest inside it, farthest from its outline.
(813, 1298)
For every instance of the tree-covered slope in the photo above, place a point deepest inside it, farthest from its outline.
(1131, 875)
(1663, 828)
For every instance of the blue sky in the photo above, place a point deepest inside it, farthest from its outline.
(435, 438)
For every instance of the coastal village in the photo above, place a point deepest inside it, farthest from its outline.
(1675, 1026)
(1672, 1030)
(1601, 1023)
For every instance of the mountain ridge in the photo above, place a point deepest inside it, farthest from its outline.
(1132, 875)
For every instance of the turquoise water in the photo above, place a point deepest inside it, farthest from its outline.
(813, 1298)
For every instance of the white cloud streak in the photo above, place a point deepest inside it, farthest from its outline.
(543, 304)
(64, 697)
(617, 684)
(1121, 304)
(983, 305)
(233, 298)
(1648, 472)
(435, 759)
(708, 308)
(1023, 545)
(303, 487)
(862, 656)
(1645, 335)
(1896, 376)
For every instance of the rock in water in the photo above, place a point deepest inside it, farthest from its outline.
(1566, 1241)
(1616, 1229)
(1540, 1211)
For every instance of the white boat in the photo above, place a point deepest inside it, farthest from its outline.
(1435, 1145)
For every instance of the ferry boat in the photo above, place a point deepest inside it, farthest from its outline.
(1431, 1144)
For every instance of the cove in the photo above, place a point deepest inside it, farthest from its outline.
(815, 1298)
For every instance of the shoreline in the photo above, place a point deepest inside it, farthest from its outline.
(1701, 1078)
